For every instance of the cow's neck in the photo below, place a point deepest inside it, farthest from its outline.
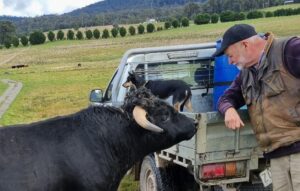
(118, 145)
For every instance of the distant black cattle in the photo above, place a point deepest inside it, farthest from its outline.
(19, 66)
(180, 90)
(90, 150)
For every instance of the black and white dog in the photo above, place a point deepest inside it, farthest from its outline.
(163, 89)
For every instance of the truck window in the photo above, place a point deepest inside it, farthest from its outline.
(198, 73)
(108, 91)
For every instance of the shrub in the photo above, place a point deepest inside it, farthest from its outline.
(96, 34)
(269, 14)
(15, 41)
(37, 37)
(285, 12)
(123, 31)
(175, 23)
(167, 25)
(255, 15)
(279, 12)
(70, 35)
(51, 36)
(7, 44)
(202, 19)
(114, 32)
(60, 35)
(79, 35)
(89, 34)
(239, 16)
(297, 11)
(24, 40)
(105, 33)
(150, 27)
(214, 18)
(1, 47)
(141, 29)
(185, 22)
(227, 16)
(159, 28)
(289, 12)
(131, 30)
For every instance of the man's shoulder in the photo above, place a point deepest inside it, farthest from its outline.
(292, 56)
(293, 41)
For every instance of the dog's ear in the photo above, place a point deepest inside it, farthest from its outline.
(131, 73)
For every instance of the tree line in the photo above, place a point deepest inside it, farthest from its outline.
(8, 32)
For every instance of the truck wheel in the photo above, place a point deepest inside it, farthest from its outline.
(153, 178)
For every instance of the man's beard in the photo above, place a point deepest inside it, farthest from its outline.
(241, 64)
(240, 67)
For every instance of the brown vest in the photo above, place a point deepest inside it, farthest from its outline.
(273, 99)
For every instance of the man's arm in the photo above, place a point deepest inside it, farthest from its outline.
(231, 100)
(232, 96)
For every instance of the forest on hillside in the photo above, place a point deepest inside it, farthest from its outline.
(86, 18)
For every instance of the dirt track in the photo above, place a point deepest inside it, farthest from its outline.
(9, 95)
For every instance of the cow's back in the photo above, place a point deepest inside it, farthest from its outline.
(34, 156)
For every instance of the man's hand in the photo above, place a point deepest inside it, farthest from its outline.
(232, 119)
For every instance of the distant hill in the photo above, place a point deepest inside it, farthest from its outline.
(121, 5)
(105, 12)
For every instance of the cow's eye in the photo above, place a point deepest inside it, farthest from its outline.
(165, 116)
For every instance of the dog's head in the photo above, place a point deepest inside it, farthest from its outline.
(133, 81)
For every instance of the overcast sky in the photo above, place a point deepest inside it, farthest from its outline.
(31, 8)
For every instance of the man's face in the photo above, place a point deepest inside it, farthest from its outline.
(237, 55)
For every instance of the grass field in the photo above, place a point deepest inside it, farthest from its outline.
(53, 84)
(3, 87)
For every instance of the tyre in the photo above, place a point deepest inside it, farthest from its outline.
(153, 178)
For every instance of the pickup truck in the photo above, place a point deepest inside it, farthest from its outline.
(216, 158)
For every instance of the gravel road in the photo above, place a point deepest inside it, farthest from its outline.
(9, 95)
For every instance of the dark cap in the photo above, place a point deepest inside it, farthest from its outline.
(235, 34)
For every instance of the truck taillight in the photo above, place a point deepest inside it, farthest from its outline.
(222, 170)
(211, 171)
(230, 169)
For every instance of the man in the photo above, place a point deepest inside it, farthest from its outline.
(269, 84)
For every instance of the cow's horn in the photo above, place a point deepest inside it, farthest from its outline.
(139, 115)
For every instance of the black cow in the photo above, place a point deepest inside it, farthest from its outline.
(163, 89)
(90, 150)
